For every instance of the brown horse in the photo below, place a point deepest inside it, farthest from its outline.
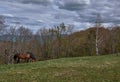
(26, 56)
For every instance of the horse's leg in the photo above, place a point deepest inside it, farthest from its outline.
(24, 60)
(30, 59)
(18, 61)
(15, 60)
(27, 60)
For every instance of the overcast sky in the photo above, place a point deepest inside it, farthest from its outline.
(47, 13)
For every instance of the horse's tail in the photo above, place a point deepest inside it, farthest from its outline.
(15, 57)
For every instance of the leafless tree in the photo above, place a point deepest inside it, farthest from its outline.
(98, 38)
(23, 36)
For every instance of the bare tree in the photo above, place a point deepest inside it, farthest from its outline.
(115, 39)
(23, 36)
(98, 25)
(59, 32)
(2, 30)
(43, 34)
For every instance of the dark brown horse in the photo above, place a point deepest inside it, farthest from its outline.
(26, 56)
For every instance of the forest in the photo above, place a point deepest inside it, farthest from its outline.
(58, 41)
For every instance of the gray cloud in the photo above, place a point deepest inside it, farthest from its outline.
(72, 5)
(109, 10)
(42, 2)
(46, 13)
(38, 2)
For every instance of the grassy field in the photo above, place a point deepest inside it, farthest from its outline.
(78, 69)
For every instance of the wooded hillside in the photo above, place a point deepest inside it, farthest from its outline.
(58, 41)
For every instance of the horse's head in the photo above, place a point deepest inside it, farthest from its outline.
(33, 60)
(32, 56)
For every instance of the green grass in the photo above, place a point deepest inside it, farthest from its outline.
(78, 69)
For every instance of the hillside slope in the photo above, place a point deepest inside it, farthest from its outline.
(78, 69)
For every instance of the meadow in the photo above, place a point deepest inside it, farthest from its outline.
(77, 69)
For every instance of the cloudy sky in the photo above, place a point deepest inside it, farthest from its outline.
(46, 13)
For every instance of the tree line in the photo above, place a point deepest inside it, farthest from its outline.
(58, 41)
